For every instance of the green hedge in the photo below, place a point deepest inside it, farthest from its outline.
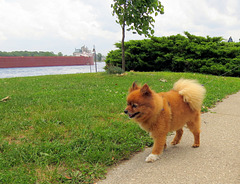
(189, 53)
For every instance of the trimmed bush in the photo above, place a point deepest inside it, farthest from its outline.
(189, 53)
(113, 69)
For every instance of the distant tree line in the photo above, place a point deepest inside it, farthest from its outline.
(177, 53)
(99, 56)
(29, 53)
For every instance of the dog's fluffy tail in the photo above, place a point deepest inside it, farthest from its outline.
(193, 93)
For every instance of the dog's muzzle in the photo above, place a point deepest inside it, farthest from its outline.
(131, 115)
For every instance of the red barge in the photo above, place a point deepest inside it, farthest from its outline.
(35, 61)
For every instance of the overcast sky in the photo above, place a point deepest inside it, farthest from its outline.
(63, 25)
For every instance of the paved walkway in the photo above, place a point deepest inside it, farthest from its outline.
(216, 161)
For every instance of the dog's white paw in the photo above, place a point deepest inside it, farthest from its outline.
(152, 158)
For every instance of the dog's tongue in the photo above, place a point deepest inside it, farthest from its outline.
(133, 115)
(130, 115)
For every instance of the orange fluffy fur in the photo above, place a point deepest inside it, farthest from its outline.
(160, 113)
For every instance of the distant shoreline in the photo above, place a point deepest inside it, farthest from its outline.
(50, 70)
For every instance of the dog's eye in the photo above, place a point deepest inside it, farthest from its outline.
(134, 106)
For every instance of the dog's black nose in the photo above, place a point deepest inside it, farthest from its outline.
(125, 111)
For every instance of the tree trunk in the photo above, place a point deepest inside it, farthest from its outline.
(123, 49)
(123, 37)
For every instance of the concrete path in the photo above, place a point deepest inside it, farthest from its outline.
(216, 161)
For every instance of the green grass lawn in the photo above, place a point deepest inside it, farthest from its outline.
(70, 128)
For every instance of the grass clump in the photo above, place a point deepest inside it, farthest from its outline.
(70, 128)
(111, 69)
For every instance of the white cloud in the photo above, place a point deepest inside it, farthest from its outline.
(62, 25)
(64, 18)
(69, 19)
(205, 17)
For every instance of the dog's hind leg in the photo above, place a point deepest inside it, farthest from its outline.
(177, 137)
(194, 127)
(165, 146)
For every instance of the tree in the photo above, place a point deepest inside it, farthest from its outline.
(99, 57)
(136, 15)
(60, 54)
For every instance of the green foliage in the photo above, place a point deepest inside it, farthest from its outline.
(110, 69)
(99, 57)
(70, 128)
(60, 54)
(29, 53)
(137, 14)
(180, 54)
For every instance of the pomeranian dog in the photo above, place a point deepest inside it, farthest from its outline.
(160, 113)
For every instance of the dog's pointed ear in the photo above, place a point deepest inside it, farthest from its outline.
(145, 90)
(133, 87)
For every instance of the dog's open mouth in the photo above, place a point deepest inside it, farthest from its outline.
(133, 115)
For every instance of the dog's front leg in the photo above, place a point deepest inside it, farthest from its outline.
(158, 146)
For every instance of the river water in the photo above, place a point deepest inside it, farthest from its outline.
(53, 70)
